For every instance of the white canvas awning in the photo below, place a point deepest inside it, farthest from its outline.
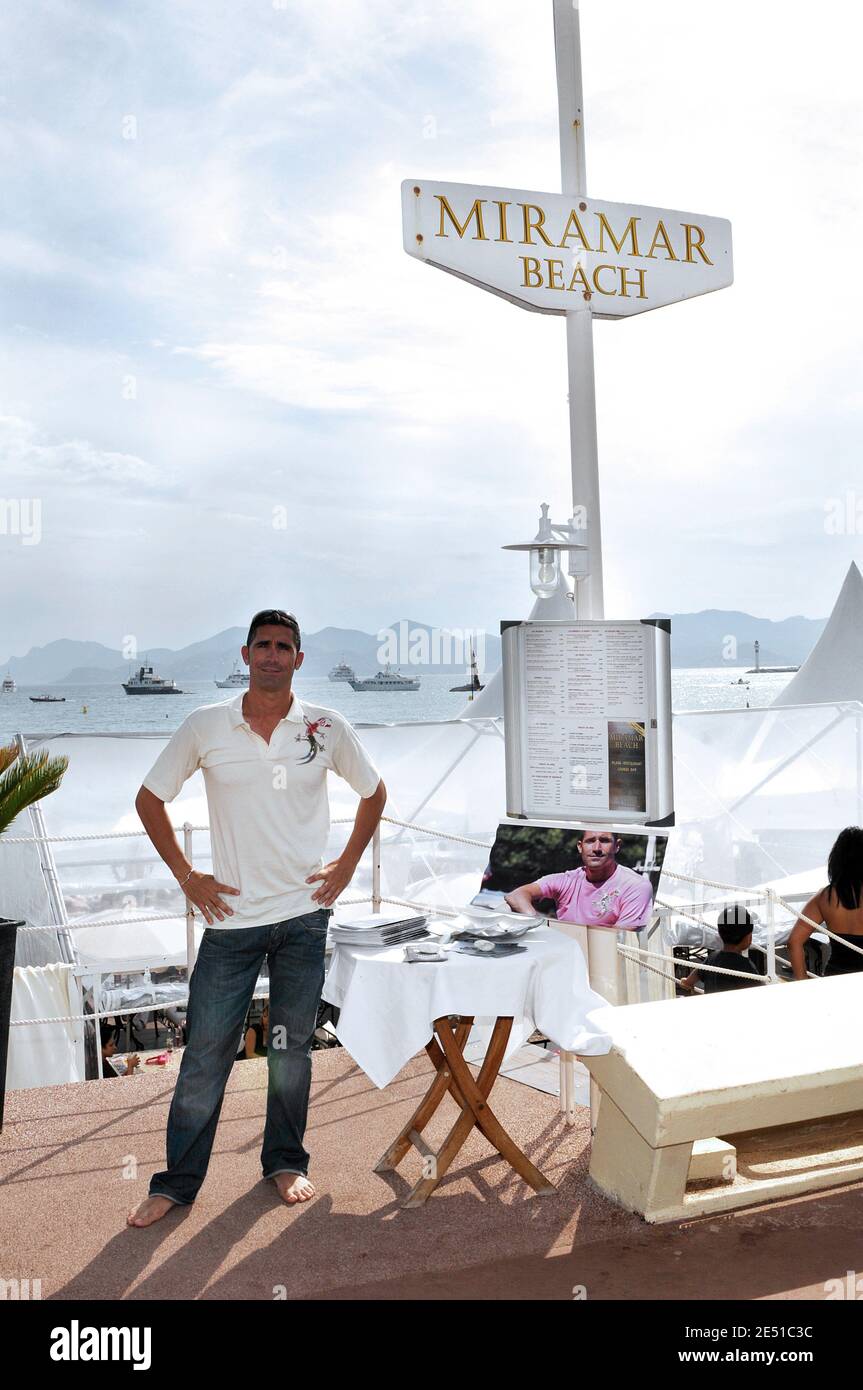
(833, 670)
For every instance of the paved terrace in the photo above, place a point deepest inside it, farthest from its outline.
(483, 1234)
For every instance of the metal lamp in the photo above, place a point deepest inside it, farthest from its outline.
(545, 554)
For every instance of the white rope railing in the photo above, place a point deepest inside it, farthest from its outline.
(632, 953)
(108, 1013)
(102, 835)
(138, 834)
(77, 924)
(818, 926)
(422, 907)
(437, 834)
(753, 893)
(710, 883)
(638, 953)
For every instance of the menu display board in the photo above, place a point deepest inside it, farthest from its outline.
(587, 714)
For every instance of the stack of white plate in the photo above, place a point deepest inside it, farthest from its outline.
(378, 929)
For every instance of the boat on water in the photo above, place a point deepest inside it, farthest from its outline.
(342, 672)
(387, 679)
(475, 683)
(9, 686)
(145, 682)
(237, 680)
(48, 699)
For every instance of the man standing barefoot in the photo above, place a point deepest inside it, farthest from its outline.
(265, 758)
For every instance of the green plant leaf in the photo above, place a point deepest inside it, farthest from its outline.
(27, 779)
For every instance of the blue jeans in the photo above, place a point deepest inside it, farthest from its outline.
(220, 992)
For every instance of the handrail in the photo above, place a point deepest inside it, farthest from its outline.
(133, 834)
(637, 954)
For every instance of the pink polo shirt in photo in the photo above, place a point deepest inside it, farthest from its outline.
(623, 900)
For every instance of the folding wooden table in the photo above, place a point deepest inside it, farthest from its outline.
(453, 1076)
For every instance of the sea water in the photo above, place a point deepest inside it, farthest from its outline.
(108, 709)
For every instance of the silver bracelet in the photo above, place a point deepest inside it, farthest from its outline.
(186, 879)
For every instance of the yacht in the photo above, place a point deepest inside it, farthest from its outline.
(146, 683)
(343, 672)
(475, 682)
(387, 679)
(48, 699)
(9, 686)
(237, 680)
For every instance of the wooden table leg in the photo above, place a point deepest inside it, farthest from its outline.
(463, 1125)
(472, 1096)
(429, 1103)
(476, 1093)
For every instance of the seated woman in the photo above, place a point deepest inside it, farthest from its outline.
(839, 906)
(255, 1041)
(109, 1047)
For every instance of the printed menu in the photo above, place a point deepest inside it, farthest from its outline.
(579, 699)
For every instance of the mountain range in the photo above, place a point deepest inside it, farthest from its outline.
(67, 662)
(714, 637)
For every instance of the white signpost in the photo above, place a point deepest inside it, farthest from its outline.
(584, 258)
(542, 251)
(569, 254)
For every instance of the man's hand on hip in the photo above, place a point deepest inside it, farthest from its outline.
(335, 878)
(203, 891)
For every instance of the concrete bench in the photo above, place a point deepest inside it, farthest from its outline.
(775, 1071)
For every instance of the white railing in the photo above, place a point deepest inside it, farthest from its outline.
(637, 954)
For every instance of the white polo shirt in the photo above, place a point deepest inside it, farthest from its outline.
(269, 812)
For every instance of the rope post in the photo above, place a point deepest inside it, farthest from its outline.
(95, 983)
(190, 911)
(376, 869)
(771, 933)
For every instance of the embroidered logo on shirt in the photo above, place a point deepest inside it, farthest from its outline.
(602, 904)
(313, 737)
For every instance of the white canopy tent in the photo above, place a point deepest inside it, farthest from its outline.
(833, 669)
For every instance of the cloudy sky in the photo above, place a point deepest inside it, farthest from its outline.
(208, 322)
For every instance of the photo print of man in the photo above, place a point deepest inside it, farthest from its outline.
(594, 876)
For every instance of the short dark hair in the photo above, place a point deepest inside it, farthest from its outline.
(272, 617)
(107, 1031)
(845, 867)
(733, 924)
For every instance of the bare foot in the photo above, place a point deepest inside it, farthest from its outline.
(150, 1210)
(293, 1187)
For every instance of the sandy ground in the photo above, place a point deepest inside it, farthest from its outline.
(74, 1159)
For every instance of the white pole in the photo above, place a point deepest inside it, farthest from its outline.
(190, 911)
(584, 452)
(771, 934)
(96, 981)
(376, 868)
(579, 322)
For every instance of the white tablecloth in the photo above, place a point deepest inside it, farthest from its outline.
(388, 1006)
